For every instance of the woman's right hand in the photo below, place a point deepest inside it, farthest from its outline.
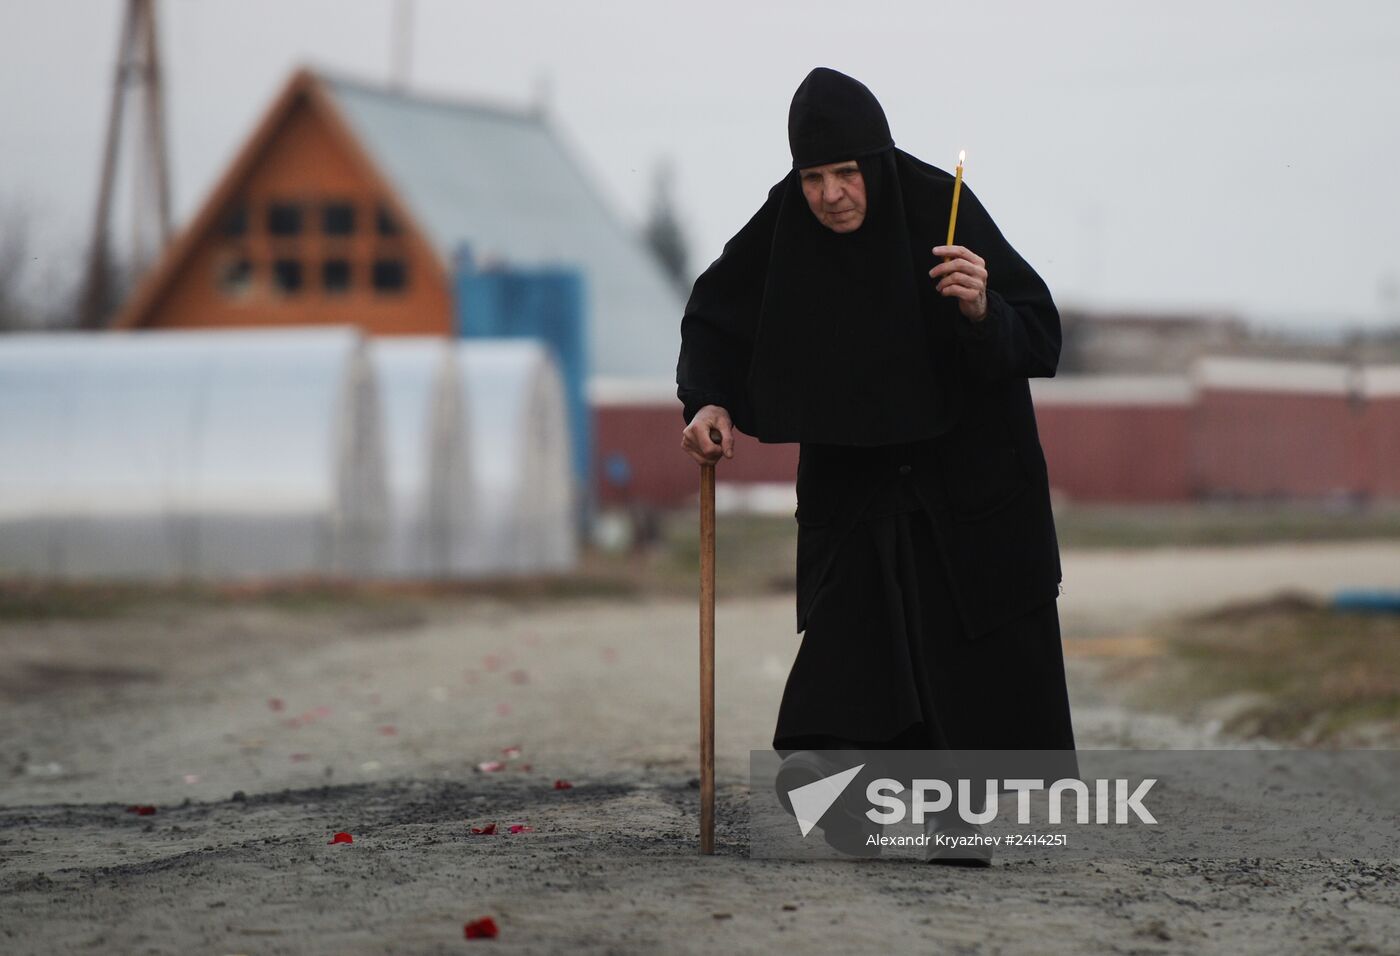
(709, 435)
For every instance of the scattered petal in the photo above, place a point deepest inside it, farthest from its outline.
(323, 711)
(492, 662)
(275, 703)
(191, 778)
(563, 785)
(503, 709)
(389, 730)
(484, 928)
(300, 758)
(521, 828)
(141, 809)
(490, 766)
(519, 677)
(341, 837)
(487, 830)
(512, 751)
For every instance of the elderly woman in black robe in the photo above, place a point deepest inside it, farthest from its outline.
(927, 562)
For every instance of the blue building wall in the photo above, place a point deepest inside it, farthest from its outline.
(545, 303)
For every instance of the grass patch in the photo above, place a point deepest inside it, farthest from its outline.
(1288, 668)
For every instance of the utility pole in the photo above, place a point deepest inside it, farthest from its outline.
(138, 70)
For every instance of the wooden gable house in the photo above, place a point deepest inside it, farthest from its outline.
(348, 205)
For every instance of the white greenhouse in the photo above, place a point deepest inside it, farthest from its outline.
(189, 454)
(517, 424)
(293, 451)
(428, 473)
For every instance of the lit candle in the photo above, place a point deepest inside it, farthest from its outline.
(957, 191)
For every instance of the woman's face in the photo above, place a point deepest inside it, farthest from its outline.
(836, 194)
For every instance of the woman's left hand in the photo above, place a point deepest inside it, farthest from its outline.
(963, 275)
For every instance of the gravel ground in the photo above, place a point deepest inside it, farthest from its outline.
(258, 731)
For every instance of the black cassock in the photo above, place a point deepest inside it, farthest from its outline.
(927, 561)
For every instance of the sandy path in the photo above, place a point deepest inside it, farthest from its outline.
(394, 714)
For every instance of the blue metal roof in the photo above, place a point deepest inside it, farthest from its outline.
(503, 182)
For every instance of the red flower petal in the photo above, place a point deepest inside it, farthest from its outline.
(141, 809)
(521, 828)
(388, 730)
(562, 785)
(484, 928)
(487, 830)
(300, 758)
(341, 837)
(275, 703)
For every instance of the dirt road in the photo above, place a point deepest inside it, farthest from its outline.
(258, 731)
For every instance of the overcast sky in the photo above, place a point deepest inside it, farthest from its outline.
(1193, 155)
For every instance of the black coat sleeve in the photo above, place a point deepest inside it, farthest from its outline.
(721, 316)
(1020, 335)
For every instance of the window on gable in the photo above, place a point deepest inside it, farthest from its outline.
(234, 223)
(335, 276)
(284, 219)
(390, 275)
(286, 275)
(386, 223)
(236, 276)
(338, 219)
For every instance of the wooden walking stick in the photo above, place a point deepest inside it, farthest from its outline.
(707, 653)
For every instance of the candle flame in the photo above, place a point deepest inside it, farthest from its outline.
(962, 155)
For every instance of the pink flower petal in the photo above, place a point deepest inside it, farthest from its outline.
(275, 703)
(563, 785)
(512, 751)
(389, 730)
(490, 766)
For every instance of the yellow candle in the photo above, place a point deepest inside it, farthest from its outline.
(957, 191)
